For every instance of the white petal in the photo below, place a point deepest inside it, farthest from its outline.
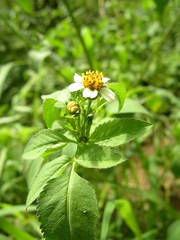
(105, 79)
(107, 94)
(75, 87)
(93, 94)
(87, 93)
(77, 78)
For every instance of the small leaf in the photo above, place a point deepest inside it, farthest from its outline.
(48, 171)
(4, 71)
(50, 112)
(115, 132)
(67, 208)
(95, 156)
(120, 91)
(109, 209)
(125, 210)
(44, 140)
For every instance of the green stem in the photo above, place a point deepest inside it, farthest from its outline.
(78, 33)
(86, 115)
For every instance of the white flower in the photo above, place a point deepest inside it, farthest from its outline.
(92, 83)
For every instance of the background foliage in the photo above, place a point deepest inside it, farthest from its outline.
(135, 42)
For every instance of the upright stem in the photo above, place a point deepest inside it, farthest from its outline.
(82, 128)
(78, 33)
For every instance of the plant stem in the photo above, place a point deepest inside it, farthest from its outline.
(78, 33)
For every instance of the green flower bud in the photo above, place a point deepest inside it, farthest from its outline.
(73, 107)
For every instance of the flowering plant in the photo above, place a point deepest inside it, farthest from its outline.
(80, 133)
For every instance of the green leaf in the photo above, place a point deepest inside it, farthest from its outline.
(109, 209)
(120, 91)
(13, 231)
(7, 209)
(173, 231)
(44, 140)
(50, 112)
(26, 5)
(31, 169)
(95, 156)
(115, 132)
(125, 210)
(133, 106)
(67, 208)
(61, 97)
(4, 71)
(49, 171)
(70, 150)
(3, 157)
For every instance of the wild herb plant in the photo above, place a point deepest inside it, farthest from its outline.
(80, 133)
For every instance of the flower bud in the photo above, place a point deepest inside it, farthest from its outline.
(73, 107)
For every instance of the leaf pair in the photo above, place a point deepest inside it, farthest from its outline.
(100, 152)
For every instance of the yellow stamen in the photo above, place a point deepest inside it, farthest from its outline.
(92, 80)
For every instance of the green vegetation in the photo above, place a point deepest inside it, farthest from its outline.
(137, 45)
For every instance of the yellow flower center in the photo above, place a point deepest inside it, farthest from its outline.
(92, 80)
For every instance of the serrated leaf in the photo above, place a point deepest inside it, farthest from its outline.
(133, 106)
(115, 132)
(44, 140)
(49, 171)
(67, 208)
(95, 156)
(31, 169)
(50, 112)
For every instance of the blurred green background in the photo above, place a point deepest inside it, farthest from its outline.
(42, 44)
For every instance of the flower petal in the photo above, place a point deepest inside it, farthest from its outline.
(107, 94)
(105, 79)
(93, 94)
(87, 93)
(77, 78)
(75, 87)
